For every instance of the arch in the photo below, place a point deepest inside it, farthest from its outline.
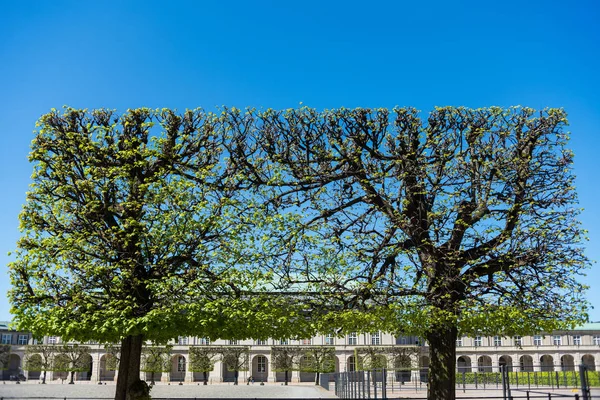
(402, 365)
(424, 368)
(260, 368)
(547, 362)
(526, 363)
(87, 363)
(228, 376)
(106, 374)
(178, 368)
(463, 364)
(306, 376)
(484, 364)
(14, 367)
(567, 363)
(589, 361)
(62, 360)
(35, 361)
(506, 361)
(351, 364)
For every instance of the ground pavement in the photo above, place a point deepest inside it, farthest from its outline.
(95, 391)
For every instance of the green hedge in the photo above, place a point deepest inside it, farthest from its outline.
(537, 378)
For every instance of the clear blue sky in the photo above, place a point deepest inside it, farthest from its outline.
(326, 54)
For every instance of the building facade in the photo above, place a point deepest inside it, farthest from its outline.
(558, 351)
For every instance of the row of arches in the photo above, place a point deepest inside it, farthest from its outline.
(259, 370)
(526, 363)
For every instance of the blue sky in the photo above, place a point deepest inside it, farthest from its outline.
(277, 54)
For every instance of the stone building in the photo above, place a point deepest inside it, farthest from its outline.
(559, 351)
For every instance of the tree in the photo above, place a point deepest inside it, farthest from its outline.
(38, 357)
(317, 359)
(4, 356)
(132, 232)
(202, 359)
(285, 359)
(236, 359)
(401, 360)
(156, 359)
(464, 222)
(71, 358)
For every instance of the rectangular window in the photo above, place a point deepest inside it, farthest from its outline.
(52, 340)
(306, 342)
(262, 364)
(329, 340)
(596, 340)
(261, 342)
(537, 340)
(556, 340)
(518, 341)
(284, 342)
(577, 340)
(353, 339)
(180, 364)
(459, 342)
(6, 338)
(497, 341)
(182, 340)
(233, 342)
(477, 342)
(23, 339)
(376, 338)
(204, 341)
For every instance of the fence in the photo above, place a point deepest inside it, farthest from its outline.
(509, 384)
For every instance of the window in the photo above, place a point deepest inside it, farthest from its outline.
(181, 364)
(262, 364)
(352, 339)
(459, 342)
(52, 340)
(497, 341)
(477, 342)
(556, 340)
(306, 342)
(329, 340)
(577, 340)
(182, 340)
(518, 340)
(537, 340)
(23, 339)
(233, 342)
(6, 338)
(375, 338)
(261, 342)
(596, 340)
(205, 341)
(284, 342)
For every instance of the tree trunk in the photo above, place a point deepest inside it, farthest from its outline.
(286, 378)
(129, 385)
(72, 376)
(442, 365)
(44, 378)
(235, 379)
(205, 377)
(317, 378)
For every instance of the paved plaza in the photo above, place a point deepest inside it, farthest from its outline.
(95, 391)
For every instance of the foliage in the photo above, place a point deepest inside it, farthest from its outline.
(285, 358)
(235, 358)
(71, 358)
(203, 358)
(38, 357)
(529, 378)
(156, 359)
(372, 357)
(4, 356)
(113, 355)
(319, 359)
